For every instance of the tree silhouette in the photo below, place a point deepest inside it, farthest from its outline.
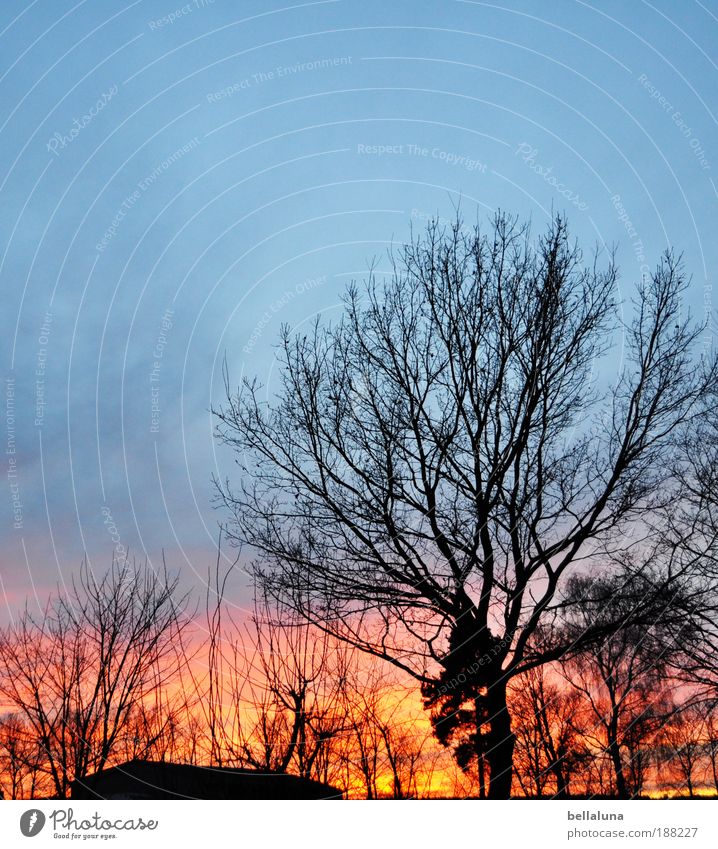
(689, 547)
(623, 673)
(21, 760)
(549, 734)
(683, 747)
(432, 467)
(77, 674)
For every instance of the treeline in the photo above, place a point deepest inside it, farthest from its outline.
(124, 666)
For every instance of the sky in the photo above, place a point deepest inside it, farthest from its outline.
(178, 181)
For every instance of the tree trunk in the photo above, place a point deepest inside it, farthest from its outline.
(714, 763)
(561, 782)
(615, 754)
(482, 777)
(480, 755)
(500, 743)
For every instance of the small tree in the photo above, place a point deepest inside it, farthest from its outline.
(622, 673)
(388, 751)
(547, 725)
(77, 674)
(274, 697)
(289, 687)
(710, 728)
(21, 760)
(432, 467)
(683, 747)
(690, 548)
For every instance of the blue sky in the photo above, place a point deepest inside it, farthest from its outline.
(177, 180)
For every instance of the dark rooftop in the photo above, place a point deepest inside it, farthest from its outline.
(164, 780)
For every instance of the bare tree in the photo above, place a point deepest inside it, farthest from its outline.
(683, 747)
(690, 547)
(159, 729)
(710, 727)
(21, 760)
(389, 751)
(296, 680)
(77, 673)
(274, 695)
(431, 468)
(288, 697)
(548, 730)
(623, 673)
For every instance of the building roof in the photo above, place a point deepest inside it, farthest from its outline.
(165, 780)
